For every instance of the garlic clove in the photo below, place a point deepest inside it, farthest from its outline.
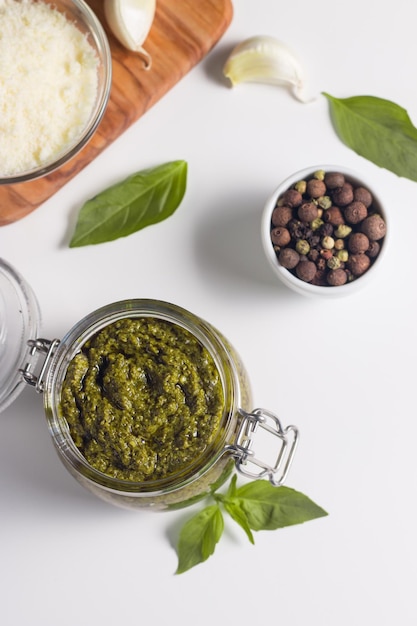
(265, 59)
(130, 22)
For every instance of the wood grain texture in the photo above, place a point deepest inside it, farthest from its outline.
(182, 33)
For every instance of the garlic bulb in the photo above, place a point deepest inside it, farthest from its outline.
(130, 22)
(265, 59)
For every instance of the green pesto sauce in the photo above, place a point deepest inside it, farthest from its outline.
(143, 399)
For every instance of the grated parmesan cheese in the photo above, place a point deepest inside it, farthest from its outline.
(48, 84)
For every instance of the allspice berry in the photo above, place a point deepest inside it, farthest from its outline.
(334, 180)
(337, 277)
(316, 188)
(358, 243)
(281, 215)
(292, 198)
(288, 258)
(320, 279)
(360, 194)
(374, 227)
(306, 270)
(342, 196)
(334, 216)
(325, 229)
(358, 264)
(280, 236)
(355, 212)
(308, 211)
(373, 249)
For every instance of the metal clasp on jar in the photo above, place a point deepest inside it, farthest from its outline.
(247, 461)
(44, 346)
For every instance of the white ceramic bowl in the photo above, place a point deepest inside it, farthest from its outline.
(79, 13)
(285, 275)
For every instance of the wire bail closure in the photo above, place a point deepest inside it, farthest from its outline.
(44, 346)
(247, 462)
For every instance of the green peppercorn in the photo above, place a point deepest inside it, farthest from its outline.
(315, 224)
(301, 186)
(327, 243)
(302, 246)
(334, 263)
(342, 231)
(343, 255)
(320, 174)
(324, 202)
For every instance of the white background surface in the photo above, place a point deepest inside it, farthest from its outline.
(343, 371)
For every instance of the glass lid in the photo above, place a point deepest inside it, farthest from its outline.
(19, 322)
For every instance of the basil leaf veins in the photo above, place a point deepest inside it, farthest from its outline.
(267, 507)
(257, 505)
(378, 130)
(145, 198)
(198, 537)
(235, 510)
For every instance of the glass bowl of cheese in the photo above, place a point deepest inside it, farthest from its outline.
(55, 80)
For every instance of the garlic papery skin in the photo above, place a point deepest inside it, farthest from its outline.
(130, 22)
(265, 59)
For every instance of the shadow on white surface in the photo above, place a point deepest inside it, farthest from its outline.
(215, 61)
(228, 249)
(31, 474)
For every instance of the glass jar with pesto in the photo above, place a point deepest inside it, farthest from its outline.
(149, 406)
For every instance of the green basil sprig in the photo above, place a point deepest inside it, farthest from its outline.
(145, 198)
(257, 505)
(378, 130)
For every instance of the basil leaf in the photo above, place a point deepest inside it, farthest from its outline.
(237, 513)
(145, 198)
(257, 505)
(233, 507)
(231, 492)
(378, 130)
(267, 507)
(198, 537)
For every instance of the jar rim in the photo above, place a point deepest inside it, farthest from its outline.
(19, 321)
(89, 326)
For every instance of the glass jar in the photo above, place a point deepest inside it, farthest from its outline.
(232, 445)
(19, 322)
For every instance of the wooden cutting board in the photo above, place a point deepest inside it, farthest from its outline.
(182, 33)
